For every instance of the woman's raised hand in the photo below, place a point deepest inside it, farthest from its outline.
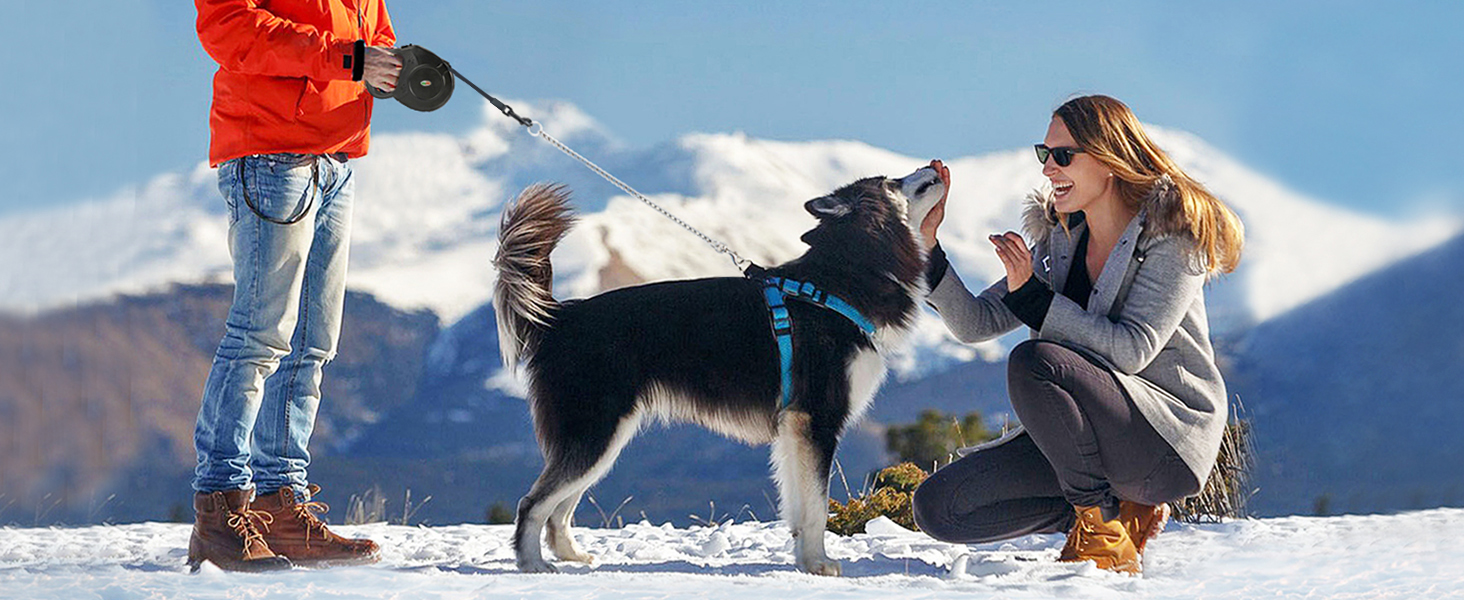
(933, 219)
(1014, 255)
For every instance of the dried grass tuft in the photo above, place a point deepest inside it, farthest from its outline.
(1228, 490)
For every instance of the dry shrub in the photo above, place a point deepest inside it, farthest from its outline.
(889, 496)
(1229, 487)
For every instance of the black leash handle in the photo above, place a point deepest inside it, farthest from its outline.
(504, 108)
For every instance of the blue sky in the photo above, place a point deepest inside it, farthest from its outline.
(1355, 103)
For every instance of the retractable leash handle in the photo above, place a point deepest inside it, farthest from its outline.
(425, 82)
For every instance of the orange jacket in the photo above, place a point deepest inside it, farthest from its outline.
(289, 70)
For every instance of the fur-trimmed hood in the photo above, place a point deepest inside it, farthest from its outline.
(1161, 208)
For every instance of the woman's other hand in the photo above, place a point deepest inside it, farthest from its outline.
(1014, 255)
(932, 220)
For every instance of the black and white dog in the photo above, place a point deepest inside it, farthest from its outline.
(703, 351)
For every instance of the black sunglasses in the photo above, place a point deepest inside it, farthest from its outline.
(1063, 155)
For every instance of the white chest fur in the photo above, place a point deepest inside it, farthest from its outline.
(866, 373)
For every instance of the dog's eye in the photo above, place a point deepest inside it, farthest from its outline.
(923, 187)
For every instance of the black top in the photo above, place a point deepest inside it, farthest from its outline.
(1031, 301)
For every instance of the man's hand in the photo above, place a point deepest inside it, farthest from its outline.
(933, 219)
(382, 68)
(1014, 255)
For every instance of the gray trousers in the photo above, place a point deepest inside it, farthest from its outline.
(1085, 444)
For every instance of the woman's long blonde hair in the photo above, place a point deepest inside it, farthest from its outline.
(1108, 131)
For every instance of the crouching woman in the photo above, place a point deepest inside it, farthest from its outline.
(1121, 403)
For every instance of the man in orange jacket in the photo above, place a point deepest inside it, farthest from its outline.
(289, 111)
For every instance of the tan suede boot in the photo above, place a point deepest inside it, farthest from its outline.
(228, 534)
(1142, 521)
(1106, 543)
(300, 535)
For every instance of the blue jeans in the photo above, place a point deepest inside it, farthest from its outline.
(263, 388)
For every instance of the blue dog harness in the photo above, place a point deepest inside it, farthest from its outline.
(775, 291)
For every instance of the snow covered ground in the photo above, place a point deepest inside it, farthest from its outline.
(1410, 555)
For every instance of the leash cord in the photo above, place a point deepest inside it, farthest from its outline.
(537, 130)
(504, 108)
(716, 245)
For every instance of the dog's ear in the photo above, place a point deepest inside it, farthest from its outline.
(828, 207)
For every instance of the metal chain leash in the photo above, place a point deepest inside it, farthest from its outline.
(537, 130)
(740, 262)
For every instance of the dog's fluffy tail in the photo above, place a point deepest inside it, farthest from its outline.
(523, 296)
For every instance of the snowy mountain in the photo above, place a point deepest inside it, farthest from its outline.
(1411, 555)
(1355, 396)
(427, 216)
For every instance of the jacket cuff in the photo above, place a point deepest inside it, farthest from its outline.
(356, 61)
(1030, 303)
(935, 267)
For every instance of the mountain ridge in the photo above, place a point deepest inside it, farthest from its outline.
(426, 222)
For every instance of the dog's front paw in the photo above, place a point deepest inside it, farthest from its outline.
(826, 567)
(536, 566)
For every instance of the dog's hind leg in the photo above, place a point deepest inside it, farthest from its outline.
(573, 465)
(560, 542)
(801, 462)
(533, 510)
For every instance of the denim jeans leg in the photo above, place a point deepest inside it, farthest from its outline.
(292, 395)
(269, 273)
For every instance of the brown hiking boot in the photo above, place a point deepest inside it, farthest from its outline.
(1142, 521)
(228, 534)
(1104, 542)
(300, 535)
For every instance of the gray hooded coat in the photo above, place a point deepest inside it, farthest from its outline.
(1145, 321)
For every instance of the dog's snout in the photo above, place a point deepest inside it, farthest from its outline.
(921, 180)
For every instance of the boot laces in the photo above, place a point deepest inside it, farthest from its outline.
(1087, 536)
(306, 511)
(247, 524)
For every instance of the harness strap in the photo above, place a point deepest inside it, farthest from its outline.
(776, 290)
(810, 293)
(783, 333)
